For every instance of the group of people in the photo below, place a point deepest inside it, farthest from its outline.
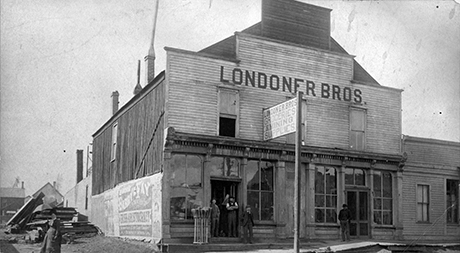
(231, 209)
(247, 220)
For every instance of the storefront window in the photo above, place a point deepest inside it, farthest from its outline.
(260, 189)
(354, 177)
(452, 201)
(325, 194)
(225, 167)
(185, 183)
(383, 198)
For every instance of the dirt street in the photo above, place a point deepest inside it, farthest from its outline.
(82, 245)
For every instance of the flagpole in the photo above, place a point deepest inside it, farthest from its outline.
(297, 195)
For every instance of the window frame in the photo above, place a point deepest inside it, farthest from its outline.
(423, 204)
(260, 191)
(325, 194)
(352, 143)
(188, 216)
(226, 114)
(452, 213)
(382, 198)
(113, 151)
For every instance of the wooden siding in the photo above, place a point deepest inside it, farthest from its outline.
(136, 124)
(429, 151)
(436, 226)
(194, 81)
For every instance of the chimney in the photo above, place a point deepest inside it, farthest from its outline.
(79, 165)
(138, 87)
(150, 58)
(54, 184)
(22, 185)
(115, 95)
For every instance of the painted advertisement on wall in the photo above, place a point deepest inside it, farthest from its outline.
(139, 207)
(131, 209)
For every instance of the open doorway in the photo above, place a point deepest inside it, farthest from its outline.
(219, 190)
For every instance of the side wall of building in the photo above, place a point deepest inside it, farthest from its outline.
(139, 149)
(79, 196)
(430, 163)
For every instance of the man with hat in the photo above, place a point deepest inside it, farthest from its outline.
(247, 222)
(344, 218)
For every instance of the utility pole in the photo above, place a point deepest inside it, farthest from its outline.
(297, 195)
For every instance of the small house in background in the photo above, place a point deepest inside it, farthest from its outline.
(11, 200)
(52, 196)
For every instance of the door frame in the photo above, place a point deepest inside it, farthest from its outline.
(368, 211)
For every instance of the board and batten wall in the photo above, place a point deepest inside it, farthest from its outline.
(194, 81)
(429, 162)
(136, 123)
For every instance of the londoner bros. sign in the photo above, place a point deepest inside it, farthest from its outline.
(289, 84)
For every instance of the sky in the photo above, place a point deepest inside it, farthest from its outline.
(61, 61)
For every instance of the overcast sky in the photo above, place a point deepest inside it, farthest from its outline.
(61, 60)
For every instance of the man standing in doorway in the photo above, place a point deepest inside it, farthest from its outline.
(215, 215)
(247, 222)
(344, 218)
(232, 209)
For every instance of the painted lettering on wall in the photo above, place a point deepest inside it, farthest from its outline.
(289, 84)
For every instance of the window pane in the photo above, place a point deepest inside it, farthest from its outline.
(359, 177)
(178, 170)
(387, 185)
(349, 176)
(419, 193)
(331, 215)
(253, 201)
(387, 204)
(266, 176)
(357, 120)
(319, 215)
(425, 212)
(193, 170)
(330, 181)
(377, 204)
(377, 184)
(425, 194)
(232, 167)
(319, 180)
(217, 166)
(266, 206)
(387, 218)
(419, 212)
(331, 201)
(319, 200)
(252, 175)
(378, 217)
(177, 210)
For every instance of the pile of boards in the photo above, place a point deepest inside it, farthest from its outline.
(35, 213)
(71, 221)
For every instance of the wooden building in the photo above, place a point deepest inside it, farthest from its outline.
(194, 133)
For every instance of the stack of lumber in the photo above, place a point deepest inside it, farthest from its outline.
(71, 221)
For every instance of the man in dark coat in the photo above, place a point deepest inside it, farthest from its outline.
(247, 222)
(344, 218)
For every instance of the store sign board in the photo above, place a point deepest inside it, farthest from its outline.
(280, 119)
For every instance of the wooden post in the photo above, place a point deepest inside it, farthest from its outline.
(297, 196)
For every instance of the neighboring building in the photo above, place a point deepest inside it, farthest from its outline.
(11, 200)
(52, 196)
(79, 196)
(195, 133)
(431, 189)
